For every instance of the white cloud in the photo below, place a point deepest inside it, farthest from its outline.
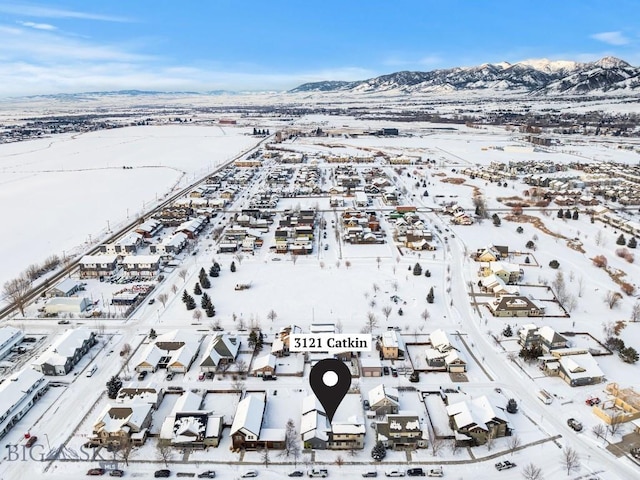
(38, 26)
(426, 62)
(612, 38)
(31, 10)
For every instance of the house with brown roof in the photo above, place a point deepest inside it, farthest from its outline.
(514, 306)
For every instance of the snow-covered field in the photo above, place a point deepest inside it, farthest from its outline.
(322, 288)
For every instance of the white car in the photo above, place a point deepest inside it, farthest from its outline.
(250, 474)
(435, 472)
(394, 473)
(318, 472)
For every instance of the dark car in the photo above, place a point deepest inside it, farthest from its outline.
(372, 473)
(32, 439)
(415, 472)
(296, 473)
(385, 370)
(29, 339)
(96, 471)
(142, 375)
(162, 473)
(207, 474)
(573, 423)
(394, 372)
(116, 473)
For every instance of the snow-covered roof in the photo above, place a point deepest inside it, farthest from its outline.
(477, 411)
(379, 393)
(67, 285)
(113, 419)
(98, 259)
(580, 366)
(221, 346)
(140, 259)
(439, 340)
(249, 414)
(10, 335)
(311, 402)
(17, 387)
(64, 347)
(392, 339)
(187, 402)
(263, 361)
(314, 424)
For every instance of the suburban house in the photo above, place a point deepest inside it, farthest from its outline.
(187, 426)
(530, 335)
(492, 253)
(319, 434)
(401, 430)
(475, 419)
(264, 366)
(383, 400)
(496, 286)
(122, 424)
(247, 422)
(509, 273)
(280, 345)
(392, 345)
(65, 288)
(442, 355)
(135, 394)
(65, 352)
(223, 349)
(514, 306)
(9, 338)
(96, 266)
(575, 366)
(192, 228)
(18, 393)
(141, 265)
(174, 351)
(128, 244)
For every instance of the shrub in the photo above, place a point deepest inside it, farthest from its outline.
(599, 261)
(554, 264)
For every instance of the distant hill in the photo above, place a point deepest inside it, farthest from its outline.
(539, 77)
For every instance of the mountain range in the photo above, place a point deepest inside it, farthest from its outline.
(535, 77)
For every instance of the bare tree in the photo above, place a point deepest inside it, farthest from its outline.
(531, 472)
(386, 311)
(347, 263)
(372, 322)
(174, 288)
(264, 457)
(339, 461)
(183, 274)
(165, 453)
(15, 292)
(322, 265)
(514, 443)
(337, 263)
(491, 438)
(612, 299)
(599, 430)
(197, 314)
(162, 298)
(373, 303)
(241, 365)
(570, 460)
(272, 315)
(294, 258)
(395, 285)
(454, 447)
(635, 312)
(124, 449)
(378, 261)
(617, 420)
(437, 443)
(608, 328)
(237, 386)
(425, 315)
(375, 287)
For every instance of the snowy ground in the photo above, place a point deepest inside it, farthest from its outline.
(321, 288)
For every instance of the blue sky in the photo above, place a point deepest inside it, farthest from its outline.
(75, 46)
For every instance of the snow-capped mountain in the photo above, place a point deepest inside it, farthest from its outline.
(543, 77)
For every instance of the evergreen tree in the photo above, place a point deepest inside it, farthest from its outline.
(632, 243)
(427, 273)
(259, 341)
(507, 332)
(628, 355)
(621, 240)
(527, 260)
(206, 301)
(253, 338)
(400, 312)
(185, 297)
(213, 272)
(205, 282)
(113, 387)
(560, 213)
(417, 269)
(233, 266)
(152, 333)
(196, 289)
(567, 214)
(210, 311)
(496, 220)
(378, 452)
(430, 296)
(190, 303)
(575, 215)
(554, 264)
(512, 405)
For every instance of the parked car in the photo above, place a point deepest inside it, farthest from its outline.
(385, 370)
(414, 377)
(573, 423)
(415, 472)
(63, 322)
(250, 474)
(29, 339)
(371, 473)
(207, 474)
(394, 473)
(95, 471)
(169, 376)
(31, 441)
(591, 401)
(635, 453)
(116, 473)
(297, 473)
(142, 375)
(435, 472)
(365, 404)
(504, 465)
(318, 472)
(394, 372)
(326, 246)
(152, 301)
(164, 473)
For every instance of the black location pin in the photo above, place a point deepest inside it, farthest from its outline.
(330, 380)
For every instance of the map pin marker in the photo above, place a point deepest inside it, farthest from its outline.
(330, 380)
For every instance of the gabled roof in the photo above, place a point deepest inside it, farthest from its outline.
(263, 361)
(550, 335)
(476, 412)
(439, 340)
(382, 392)
(113, 419)
(222, 346)
(249, 415)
